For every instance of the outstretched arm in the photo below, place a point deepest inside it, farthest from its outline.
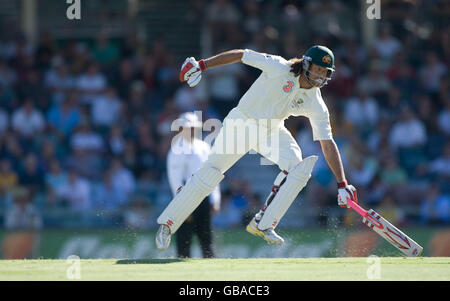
(331, 153)
(224, 58)
(345, 191)
(191, 70)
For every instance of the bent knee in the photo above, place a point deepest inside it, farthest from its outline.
(303, 169)
(208, 177)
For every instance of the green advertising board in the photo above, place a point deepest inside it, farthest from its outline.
(233, 243)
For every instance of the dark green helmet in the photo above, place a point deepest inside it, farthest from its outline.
(321, 56)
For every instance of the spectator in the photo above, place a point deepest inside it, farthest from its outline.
(58, 80)
(431, 72)
(229, 215)
(343, 81)
(86, 140)
(408, 132)
(252, 20)
(75, 193)
(13, 150)
(55, 178)
(87, 163)
(376, 190)
(31, 175)
(122, 179)
(91, 83)
(130, 156)
(31, 87)
(374, 83)
(137, 216)
(221, 15)
(106, 108)
(116, 141)
(392, 174)
(65, 117)
(45, 50)
(441, 165)
(28, 121)
(379, 136)
(386, 45)
(137, 103)
(47, 154)
(109, 196)
(362, 110)
(22, 214)
(291, 46)
(362, 170)
(390, 210)
(105, 52)
(147, 184)
(436, 207)
(187, 99)
(326, 16)
(124, 78)
(149, 73)
(233, 206)
(164, 121)
(8, 177)
(403, 75)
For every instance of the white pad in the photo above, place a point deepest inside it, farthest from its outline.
(295, 181)
(196, 189)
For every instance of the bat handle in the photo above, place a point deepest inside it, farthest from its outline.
(357, 208)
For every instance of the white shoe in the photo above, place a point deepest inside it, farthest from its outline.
(163, 237)
(269, 235)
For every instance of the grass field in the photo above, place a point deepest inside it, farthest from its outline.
(391, 268)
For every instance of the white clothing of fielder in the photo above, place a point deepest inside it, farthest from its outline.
(275, 95)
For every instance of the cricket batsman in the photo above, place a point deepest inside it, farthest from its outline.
(284, 88)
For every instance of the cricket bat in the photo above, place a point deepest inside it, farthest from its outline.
(388, 231)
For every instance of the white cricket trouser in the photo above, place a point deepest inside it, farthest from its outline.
(272, 140)
(275, 144)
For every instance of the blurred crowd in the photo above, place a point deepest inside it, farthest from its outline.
(85, 125)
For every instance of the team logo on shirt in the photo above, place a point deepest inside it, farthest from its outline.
(288, 88)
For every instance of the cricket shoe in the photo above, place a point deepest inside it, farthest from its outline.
(269, 235)
(163, 237)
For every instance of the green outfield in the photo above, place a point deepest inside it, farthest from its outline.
(390, 268)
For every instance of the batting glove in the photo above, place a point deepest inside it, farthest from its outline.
(346, 192)
(191, 71)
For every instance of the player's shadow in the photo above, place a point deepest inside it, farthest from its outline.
(150, 261)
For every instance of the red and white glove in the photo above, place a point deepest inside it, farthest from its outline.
(346, 192)
(191, 71)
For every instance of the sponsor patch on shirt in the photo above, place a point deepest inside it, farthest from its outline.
(296, 103)
(288, 88)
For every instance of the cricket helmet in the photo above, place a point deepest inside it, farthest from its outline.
(320, 56)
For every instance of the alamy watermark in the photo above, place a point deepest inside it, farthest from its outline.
(373, 272)
(73, 272)
(234, 137)
(374, 9)
(73, 12)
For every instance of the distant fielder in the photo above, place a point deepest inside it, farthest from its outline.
(284, 88)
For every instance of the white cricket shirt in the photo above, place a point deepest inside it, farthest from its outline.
(276, 95)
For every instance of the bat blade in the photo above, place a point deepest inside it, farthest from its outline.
(392, 234)
(388, 231)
